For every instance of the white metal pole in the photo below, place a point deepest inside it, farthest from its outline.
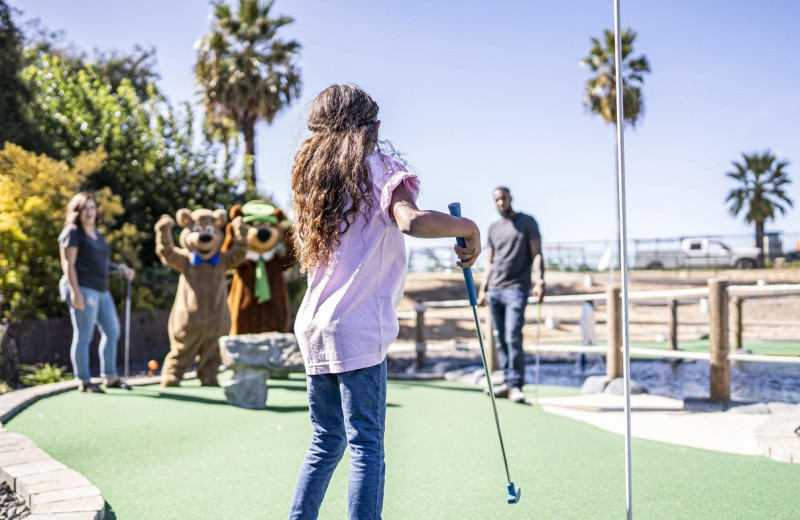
(127, 329)
(623, 256)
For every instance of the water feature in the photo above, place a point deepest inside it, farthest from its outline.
(678, 379)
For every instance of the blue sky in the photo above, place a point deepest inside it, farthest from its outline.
(478, 94)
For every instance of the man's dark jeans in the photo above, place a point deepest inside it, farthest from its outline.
(508, 316)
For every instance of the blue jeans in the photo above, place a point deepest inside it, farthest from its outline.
(508, 316)
(346, 409)
(99, 309)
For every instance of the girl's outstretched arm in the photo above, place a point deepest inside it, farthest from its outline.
(421, 223)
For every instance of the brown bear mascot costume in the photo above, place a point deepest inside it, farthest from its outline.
(200, 314)
(259, 298)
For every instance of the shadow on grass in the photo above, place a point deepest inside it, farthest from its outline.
(438, 386)
(292, 409)
(271, 383)
(110, 515)
(286, 409)
(205, 400)
(170, 395)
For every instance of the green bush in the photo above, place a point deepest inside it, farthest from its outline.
(42, 374)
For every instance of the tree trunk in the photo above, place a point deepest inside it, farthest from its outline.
(250, 153)
(760, 242)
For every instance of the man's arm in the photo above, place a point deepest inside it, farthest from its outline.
(537, 272)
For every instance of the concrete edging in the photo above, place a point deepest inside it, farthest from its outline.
(50, 489)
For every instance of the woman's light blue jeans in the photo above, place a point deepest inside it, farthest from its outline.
(347, 409)
(99, 309)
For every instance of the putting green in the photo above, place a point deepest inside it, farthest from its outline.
(186, 454)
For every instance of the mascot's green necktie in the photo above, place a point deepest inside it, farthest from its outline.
(263, 294)
(259, 211)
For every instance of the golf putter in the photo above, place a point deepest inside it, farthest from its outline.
(127, 329)
(513, 491)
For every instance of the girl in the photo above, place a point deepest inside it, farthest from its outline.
(85, 262)
(352, 205)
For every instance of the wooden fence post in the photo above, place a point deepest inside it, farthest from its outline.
(737, 323)
(614, 324)
(720, 372)
(491, 356)
(420, 345)
(673, 324)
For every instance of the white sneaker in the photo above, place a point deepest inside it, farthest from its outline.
(499, 390)
(516, 395)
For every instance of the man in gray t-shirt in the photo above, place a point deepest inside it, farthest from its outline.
(516, 270)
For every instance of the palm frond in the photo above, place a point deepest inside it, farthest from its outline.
(761, 178)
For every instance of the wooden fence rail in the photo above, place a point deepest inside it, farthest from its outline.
(719, 294)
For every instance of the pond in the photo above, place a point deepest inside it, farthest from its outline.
(679, 379)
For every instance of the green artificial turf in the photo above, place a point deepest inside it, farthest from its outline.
(772, 348)
(186, 454)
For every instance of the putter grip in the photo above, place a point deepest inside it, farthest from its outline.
(455, 210)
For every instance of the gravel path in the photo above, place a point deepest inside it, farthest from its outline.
(12, 506)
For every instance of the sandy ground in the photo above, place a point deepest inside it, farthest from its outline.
(775, 318)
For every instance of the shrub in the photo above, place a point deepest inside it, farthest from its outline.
(42, 374)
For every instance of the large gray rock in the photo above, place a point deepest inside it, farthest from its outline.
(617, 387)
(253, 358)
(754, 408)
(784, 408)
(594, 385)
(247, 388)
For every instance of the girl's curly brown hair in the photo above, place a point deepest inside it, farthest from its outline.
(330, 181)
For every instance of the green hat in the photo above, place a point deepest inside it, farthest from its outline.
(259, 211)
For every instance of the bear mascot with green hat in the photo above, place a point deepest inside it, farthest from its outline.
(258, 299)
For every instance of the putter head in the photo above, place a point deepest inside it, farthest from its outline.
(513, 493)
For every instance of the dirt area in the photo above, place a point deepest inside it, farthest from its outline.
(774, 318)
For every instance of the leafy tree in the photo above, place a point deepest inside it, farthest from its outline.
(760, 193)
(224, 134)
(139, 66)
(245, 72)
(14, 93)
(152, 160)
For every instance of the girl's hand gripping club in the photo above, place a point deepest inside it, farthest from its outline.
(455, 210)
(513, 491)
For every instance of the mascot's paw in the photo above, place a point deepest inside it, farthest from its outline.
(165, 223)
(238, 227)
(209, 382)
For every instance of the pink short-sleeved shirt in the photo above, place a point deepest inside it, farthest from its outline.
(348, 319)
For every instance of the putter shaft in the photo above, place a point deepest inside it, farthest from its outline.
(491, 389)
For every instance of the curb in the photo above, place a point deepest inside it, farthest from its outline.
(50, 489)
(778, 439)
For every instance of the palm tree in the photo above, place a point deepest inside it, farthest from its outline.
(601, 90)
(760, 193)
(245, 72)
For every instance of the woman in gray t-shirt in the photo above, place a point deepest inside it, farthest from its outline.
(85, 259)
